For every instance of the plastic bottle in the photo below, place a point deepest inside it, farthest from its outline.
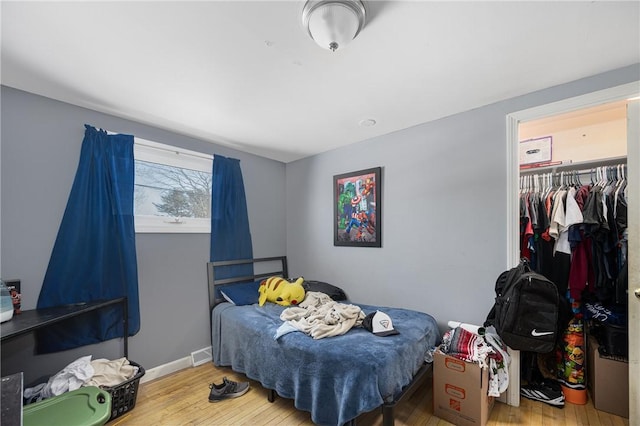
(6, 303)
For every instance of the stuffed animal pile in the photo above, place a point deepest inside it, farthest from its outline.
(280, 291)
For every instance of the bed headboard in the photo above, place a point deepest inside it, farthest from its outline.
(274, 265)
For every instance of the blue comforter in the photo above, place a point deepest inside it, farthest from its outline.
(335, 378)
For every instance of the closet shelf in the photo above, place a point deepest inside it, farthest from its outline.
(570, 166)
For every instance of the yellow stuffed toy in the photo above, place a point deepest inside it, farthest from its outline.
(280, 291)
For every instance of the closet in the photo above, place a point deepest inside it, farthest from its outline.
(573, 229)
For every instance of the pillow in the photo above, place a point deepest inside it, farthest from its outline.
(241, 294)
(331, 290)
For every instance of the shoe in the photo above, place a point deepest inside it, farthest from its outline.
(547, 392)
(228, 389)
(577, 386)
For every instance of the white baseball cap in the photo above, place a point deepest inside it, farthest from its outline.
(379, 324)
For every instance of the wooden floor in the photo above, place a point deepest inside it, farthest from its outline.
(182, 399)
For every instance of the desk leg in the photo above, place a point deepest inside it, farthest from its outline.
(125, 310)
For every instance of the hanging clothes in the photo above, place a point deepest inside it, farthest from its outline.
(575, 234)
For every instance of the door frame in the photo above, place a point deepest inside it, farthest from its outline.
(617, 93)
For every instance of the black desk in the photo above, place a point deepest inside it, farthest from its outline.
(34, 319)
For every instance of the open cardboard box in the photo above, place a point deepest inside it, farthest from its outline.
(460, 391)
(608, 381)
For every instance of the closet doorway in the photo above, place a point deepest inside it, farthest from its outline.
(628, 95)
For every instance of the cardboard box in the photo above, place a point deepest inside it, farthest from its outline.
(460, 391)
(608, 381)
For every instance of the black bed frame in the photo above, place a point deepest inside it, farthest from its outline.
(388, 414)
(214, 299)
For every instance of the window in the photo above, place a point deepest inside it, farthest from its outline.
(172, 191)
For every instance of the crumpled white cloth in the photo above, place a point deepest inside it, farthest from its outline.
(111, 373)
(499, 368)
(70, 378)
(320, 316)
(82, 372)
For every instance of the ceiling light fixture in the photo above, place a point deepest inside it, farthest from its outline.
(333, 23)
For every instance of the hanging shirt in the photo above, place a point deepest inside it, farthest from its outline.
(593, 211)
(572, 216)
(557, 215)
(581, 196)
(526, 229)
(548, 204)
(581, 274)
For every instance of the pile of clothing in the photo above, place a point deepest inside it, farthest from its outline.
(484, 347)
(319, 316)
(82, 372)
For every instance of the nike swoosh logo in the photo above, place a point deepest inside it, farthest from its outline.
(536, 333)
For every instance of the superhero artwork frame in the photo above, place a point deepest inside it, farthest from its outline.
(357, 208)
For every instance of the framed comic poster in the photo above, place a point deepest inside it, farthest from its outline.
(356, 208)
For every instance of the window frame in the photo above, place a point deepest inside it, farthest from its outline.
(159, 153)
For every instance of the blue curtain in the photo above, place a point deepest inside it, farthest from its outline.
(94, 255)
(230, 234)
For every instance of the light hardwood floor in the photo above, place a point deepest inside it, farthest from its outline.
(182, 399)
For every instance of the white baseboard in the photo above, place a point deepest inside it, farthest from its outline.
(165, 369)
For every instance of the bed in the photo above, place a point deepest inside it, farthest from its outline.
(335, 378)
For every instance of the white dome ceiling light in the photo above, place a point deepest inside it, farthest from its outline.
(333, 23)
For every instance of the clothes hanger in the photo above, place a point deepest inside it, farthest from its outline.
(622, 183)
(601, 176)
(561, 181)
(619, 186)
(520, 180)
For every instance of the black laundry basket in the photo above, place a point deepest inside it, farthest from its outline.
(123, 396)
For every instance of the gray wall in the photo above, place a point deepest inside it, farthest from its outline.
(444, 223)
(443, 218)
(41, 141)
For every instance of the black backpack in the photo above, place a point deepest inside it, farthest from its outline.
(529, 314)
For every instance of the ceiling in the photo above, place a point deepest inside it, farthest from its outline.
(245, 73)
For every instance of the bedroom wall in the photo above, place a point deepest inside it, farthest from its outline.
(41, 141)
(444, 224)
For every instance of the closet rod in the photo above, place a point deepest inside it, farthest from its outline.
(569, 173)
(570, 166)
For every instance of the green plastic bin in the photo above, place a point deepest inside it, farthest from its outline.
(87, 406)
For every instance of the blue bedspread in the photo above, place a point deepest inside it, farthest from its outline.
(335, 378)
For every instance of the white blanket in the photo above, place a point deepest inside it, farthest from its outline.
(320, 316)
